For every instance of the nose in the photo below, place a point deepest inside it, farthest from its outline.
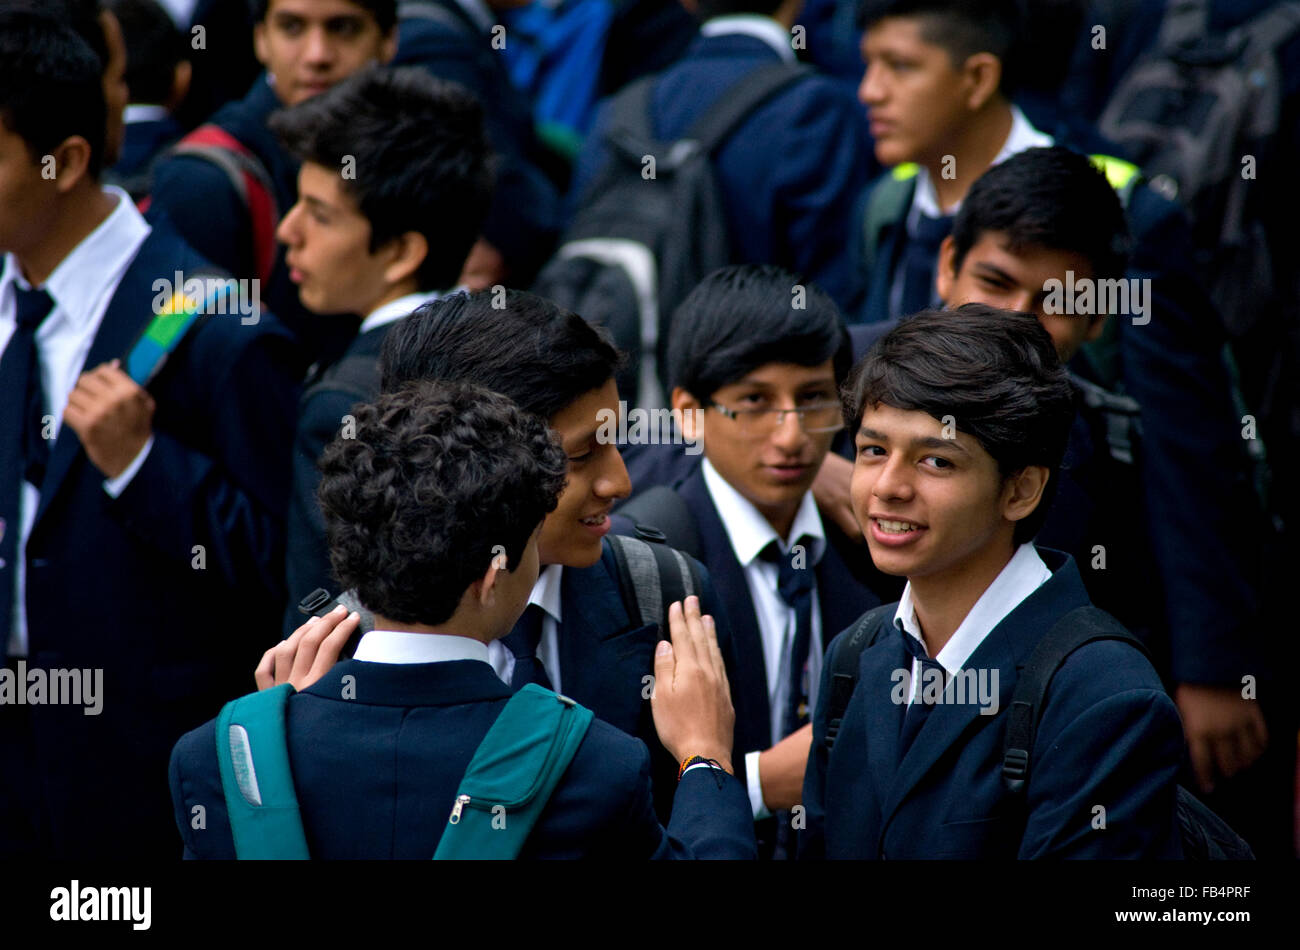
(870, 91)
(789, 435)
(318, 50)
(287, 232)
(613, 480)
(893, 481)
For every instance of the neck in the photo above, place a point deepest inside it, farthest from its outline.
(972, 151)
(452, 628)
(943, 600)
(396, 292)
(77, 215)
(782, 520)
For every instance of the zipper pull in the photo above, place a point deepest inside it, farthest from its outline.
(461, 802)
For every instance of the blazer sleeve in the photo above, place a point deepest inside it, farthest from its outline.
(229, 497)
(198, 801)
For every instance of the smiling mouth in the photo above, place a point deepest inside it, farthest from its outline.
(896, 527)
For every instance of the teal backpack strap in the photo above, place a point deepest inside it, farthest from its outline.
(514, 771)
(253, 754)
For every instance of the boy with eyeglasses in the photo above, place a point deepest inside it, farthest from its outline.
(756, 359)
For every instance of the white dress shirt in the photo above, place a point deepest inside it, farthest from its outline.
(749, 533)
(751, 24)
(545, 594)
(82, 285)
(402, 646)
(1023, 575)
(395, 310)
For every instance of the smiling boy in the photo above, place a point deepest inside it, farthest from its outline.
(961, 420)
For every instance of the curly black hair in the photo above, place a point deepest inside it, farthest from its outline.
(437, 479)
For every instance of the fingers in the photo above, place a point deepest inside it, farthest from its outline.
(308, 662)
(715, 652)
(333, 645)
(683, 626)
(1200, 753)
(665, 662)
(264, 675)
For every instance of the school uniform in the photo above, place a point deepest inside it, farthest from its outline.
(788, 175)
(376, 774)
(147, 131)
(733, 539)
(325, 401)
(1105, 756)
(140, 576)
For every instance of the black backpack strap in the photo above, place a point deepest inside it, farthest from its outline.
(844, 665)
(746, 95)
(662, 509)
(629, 130)
(651, 576)
(1078, 627)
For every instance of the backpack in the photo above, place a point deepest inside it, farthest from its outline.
(651, 224)
(250, 181)
(510, 779)
(1205, 836)
(651, 576)
(1188, 112)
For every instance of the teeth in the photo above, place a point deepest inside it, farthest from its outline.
(594, 521)
(895, 527)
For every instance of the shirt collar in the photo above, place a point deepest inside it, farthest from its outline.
(396, 309)
(143, 112)
(78, 284)
(749, 532)
(751, 24)
(401, 646)
(478, 11)
(1023, 575)
(1021, 137)
(546, 592)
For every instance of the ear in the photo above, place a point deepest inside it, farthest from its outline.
(181, 78)
(1022, 492)
(408, 250)
(945, 275)
(389, 48)
(260, 48)
(1096, 324)
(691, 413)
(983, 74)
(484, 590)
(71, 163)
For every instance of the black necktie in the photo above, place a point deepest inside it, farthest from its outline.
(919, 261)
(23, 453)
(522, 641)
(795, 580)
(916, 714)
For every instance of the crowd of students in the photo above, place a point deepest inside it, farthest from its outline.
(895, 461)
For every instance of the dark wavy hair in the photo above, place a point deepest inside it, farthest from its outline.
(994, 371)
(439, 478)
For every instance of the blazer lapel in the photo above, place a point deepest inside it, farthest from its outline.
(127, 314)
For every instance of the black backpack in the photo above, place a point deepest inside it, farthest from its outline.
(651, 225)
(1205, 836)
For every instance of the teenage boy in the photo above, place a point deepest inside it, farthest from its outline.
(961, 420)
(936, 86)
(757, 360)
(122, 506)
(306, 46)
(393, 187)
(442, 590)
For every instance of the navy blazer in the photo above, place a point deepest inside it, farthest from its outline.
(148, 586)
(789, 175)
(203, 206)
(847, 584)
(376, 776)
(320, 414)
(1109, 736)
(523, 220)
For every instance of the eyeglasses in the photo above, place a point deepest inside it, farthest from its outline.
(816, 418)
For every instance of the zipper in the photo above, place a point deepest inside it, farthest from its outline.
(461, 802)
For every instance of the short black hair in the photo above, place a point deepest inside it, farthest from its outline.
(962, 27)
(741, 317)
(439, 479)
(51, 86)
(419, 154)
(384, 11)
(1046, 197)
(708, 9)
(994, 371)
(541, 356)
(154, 48)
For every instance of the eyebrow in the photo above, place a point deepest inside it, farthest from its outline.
(318, 204)
(921, 442)
(994, 271)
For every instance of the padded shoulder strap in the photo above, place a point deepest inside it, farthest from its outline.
(751, 91)
(1078, 627)
(657, 576)
(253, 755)
(844, 665)
(513, 773)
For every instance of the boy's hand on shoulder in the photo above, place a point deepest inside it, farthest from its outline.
(691, 701)
(1225, 733)
(309, 652)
